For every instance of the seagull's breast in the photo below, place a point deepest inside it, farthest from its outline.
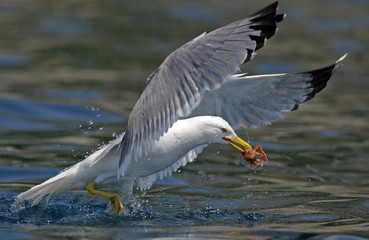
(179, 140)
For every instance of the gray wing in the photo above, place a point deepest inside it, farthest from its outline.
(178, 85)
(252, 101)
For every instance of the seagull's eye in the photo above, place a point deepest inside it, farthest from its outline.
(224, 130)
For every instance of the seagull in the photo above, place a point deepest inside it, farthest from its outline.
(194, 98)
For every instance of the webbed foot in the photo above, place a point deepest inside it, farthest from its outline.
(114, 198)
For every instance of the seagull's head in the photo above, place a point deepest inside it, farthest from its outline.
(224, 133)
(217, 130)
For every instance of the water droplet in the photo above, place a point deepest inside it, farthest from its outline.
(90, 122)
(101, 128)
(250, 178)
(114, 134)
(93, 108)
(80, 125)
(98, 115)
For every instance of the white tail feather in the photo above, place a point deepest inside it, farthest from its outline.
(98, 165)
(51, 186)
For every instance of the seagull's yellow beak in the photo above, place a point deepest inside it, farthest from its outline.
(236, 142)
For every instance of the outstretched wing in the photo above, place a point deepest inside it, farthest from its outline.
(178, 85)
(252, 101)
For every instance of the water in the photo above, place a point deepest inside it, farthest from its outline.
(70, 73)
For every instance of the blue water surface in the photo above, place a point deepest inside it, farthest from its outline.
(71, 72)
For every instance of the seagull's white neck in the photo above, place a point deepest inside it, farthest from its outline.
(196, 131)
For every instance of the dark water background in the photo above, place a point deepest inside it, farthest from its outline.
(71, 71)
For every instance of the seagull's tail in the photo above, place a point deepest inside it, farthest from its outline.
(53, 185)
(77, 176)
(67, 180)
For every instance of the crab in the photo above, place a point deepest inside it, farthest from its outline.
(253, 156)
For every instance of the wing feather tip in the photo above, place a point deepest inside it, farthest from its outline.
(265, 21)
(280, 17)
(295, 107)
(320, 77)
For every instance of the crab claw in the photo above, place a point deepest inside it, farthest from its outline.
(253, 156)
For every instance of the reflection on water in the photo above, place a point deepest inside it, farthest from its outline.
(21, 109)
(71, 72)
(12, 60)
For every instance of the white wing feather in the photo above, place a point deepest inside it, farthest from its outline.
(251, 101)
(178, 85)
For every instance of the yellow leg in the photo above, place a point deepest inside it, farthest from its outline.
(114, 199)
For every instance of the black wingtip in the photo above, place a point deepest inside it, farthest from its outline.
(267, 14)
(279, 17)
(269, 8)
(265, 22)
(295, 107)
(320, 77)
